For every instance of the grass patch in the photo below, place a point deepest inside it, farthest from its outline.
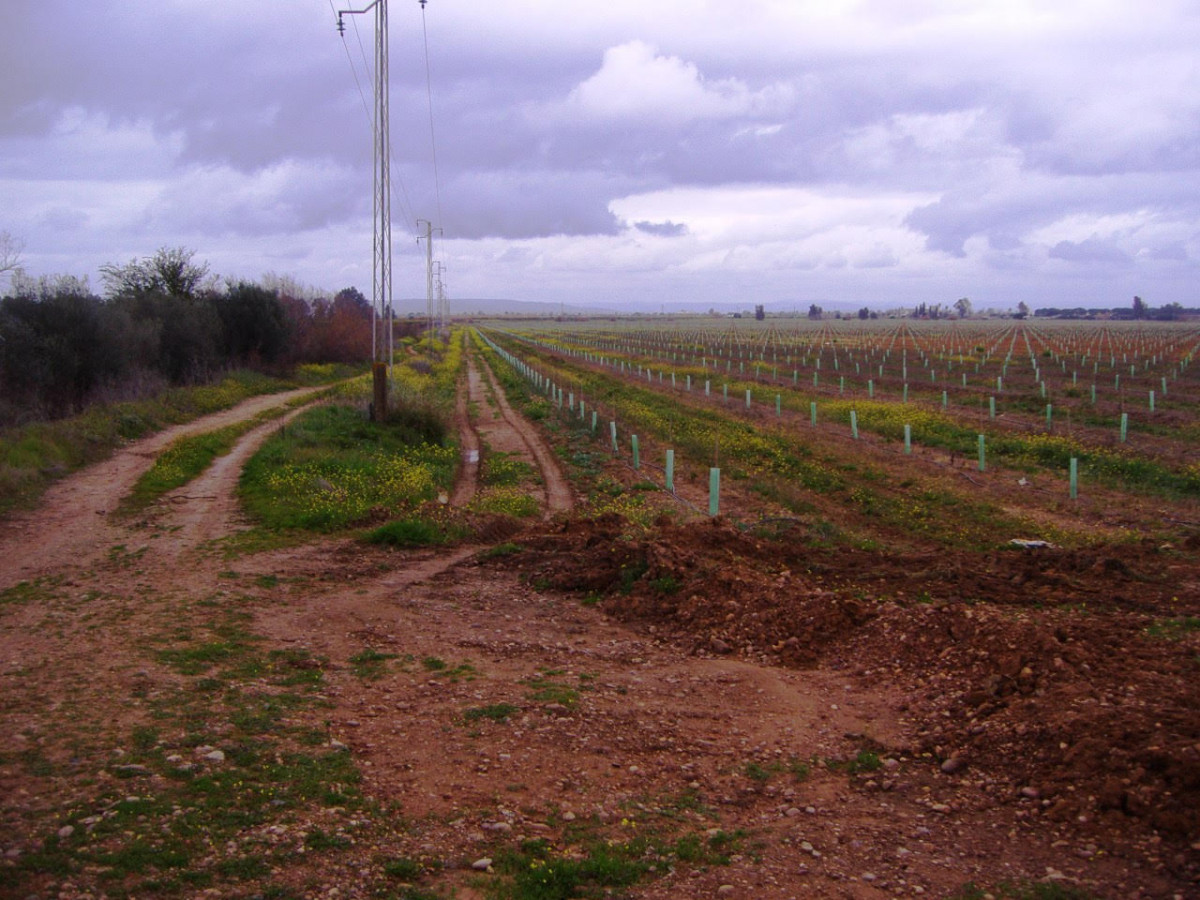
(1174, 629)
(534, 872)
(370, 664)
(543, 689)
(1022, 890)
(495, 712)
(38, 590)
(184, 460)
(412, 532)
(506, 470)
(864, 761)
(332, 468)
(517, 502)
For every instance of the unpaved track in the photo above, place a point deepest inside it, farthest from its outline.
(71, 527)
(558, 493)
(468, 439)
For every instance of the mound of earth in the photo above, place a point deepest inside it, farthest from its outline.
(1065, 675)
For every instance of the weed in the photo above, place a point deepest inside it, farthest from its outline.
(1023, 890)
(370, 663)
(535, 873)
(496, 712)
(333, 468)
(666, 584)
(403, 869)
(318, 840)
(413, 532)
(799, 769)
(631, 573)
(544, 690)
(864, 761)
(200, 658)
(505, 470)
(756, 772)
(1174, 629)
(27, 592)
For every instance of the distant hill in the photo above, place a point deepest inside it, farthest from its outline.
(503, 307)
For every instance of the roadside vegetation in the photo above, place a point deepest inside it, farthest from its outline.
(333, 469)
(33, 456)
(82, 373)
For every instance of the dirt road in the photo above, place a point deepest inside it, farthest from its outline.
(481, 709)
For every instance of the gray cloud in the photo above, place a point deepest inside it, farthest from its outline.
(1001, 148)
(662, 229)
(1091, 250)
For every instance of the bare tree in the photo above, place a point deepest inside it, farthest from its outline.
(10, 252)
(169, 271)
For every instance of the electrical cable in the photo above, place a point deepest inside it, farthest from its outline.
(403, 201)
(437, 187)
(353, 69)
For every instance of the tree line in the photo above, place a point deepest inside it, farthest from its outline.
(163, 320)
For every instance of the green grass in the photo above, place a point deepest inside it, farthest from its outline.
(1174, 629)
(38, 590)
(332, 469)
(370, 664)
(864, 761)
(462, 672)
(505, 470)
(185, 829)
(517, 502)
(543, 689)
(495, 712)
(1022, 890)
(184, 460)
(414, 532)
(533, 872)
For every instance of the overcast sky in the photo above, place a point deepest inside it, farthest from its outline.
(878, 153)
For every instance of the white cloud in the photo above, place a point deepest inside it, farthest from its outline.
(636, 82)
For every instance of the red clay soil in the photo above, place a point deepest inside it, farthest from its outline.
(867, 725)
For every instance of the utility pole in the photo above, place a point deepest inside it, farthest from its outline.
(381, 287)
(428, 238)
(443, 304)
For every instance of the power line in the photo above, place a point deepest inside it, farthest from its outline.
(405, 203)
(437, 187)
(354, 69)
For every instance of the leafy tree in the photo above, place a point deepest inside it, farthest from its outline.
(56, 349)
(963, 306)
(1022, 310)
(1140, 308)
(864, 313)
(759, 312)
(815, 312)
(254, 325)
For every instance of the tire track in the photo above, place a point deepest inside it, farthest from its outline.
(559, 498)
(72, 528)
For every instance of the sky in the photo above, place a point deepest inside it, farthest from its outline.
(634, 155)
